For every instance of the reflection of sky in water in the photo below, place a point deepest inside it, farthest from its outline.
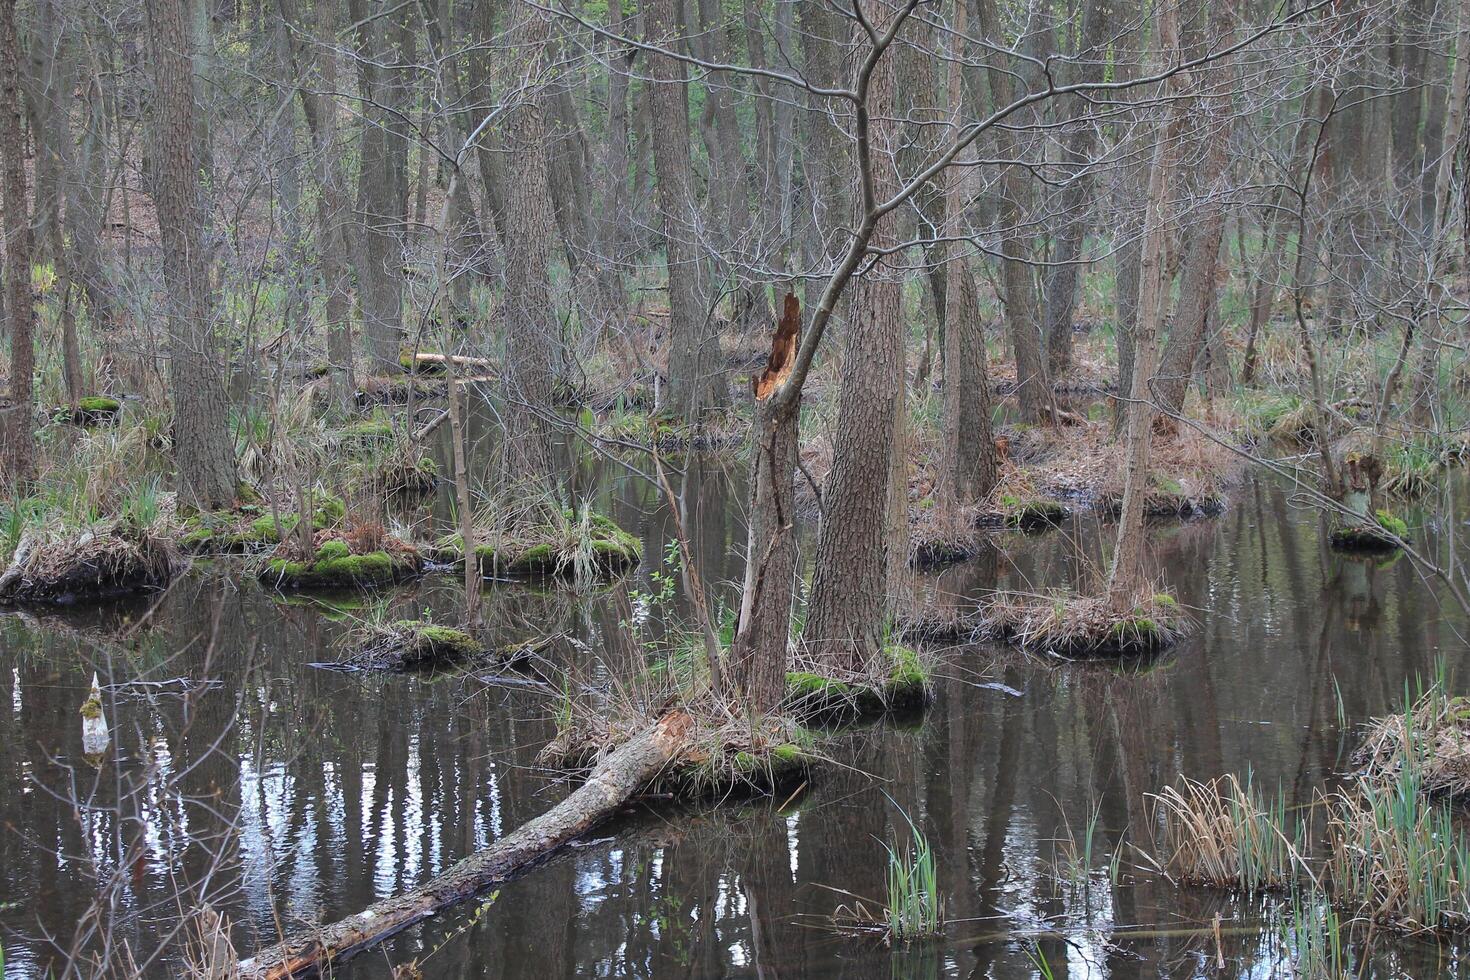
(342, 788)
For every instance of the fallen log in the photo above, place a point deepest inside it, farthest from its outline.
(424, 357)
(616, 778)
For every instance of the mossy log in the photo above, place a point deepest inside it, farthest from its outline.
(90, 410)
(616, 778)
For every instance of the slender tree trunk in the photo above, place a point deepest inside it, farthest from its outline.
(1018, 283)
(1125, 576)
(969, 463)
(695, 376)
(203, 449)
(1076, 199)
(16, 426)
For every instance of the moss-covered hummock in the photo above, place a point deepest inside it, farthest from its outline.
(604, 549)
(253, 527)
(364, 434)
(904, 687)
(336, 566)
(1085, 626)
(91, 410)
(411, 644)
(1378, 536)
(725, 764)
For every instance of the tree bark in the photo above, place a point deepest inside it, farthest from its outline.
(849, 585)
(759, 654)
(695, 376)
(1125, 576)
(1018, 283)
(1076, 199)
(617, 777)
(531, 326)
(203, 449)
(17, 427)
(969, 464)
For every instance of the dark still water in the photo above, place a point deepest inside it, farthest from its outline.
(236, 773)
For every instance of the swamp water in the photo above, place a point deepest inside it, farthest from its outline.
(277, 788)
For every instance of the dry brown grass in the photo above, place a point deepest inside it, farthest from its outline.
(1434, 735)
(1081, 626)
(99, 562)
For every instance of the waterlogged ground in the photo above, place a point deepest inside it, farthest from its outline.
(284, 792)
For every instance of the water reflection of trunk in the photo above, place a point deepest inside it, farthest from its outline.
(991, 820)
(765, 874)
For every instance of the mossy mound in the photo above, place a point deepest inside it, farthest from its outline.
(336, 564)
(254, 527)
(96, 564)
(407, 475)
(363, 435)
(408, 360)
(1383, 534)
(1085, 626)
(411, 644)
(91, 410)
(821, 695)
(397, 389)
(600, 547)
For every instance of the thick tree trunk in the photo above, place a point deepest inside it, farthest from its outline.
(1191, 320)
(16, 425)
(849, 585)
(759, 655)
(203, 449)
(617, 777)
(695, 375)
(531, 326)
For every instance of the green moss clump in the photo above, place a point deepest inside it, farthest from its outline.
(228, 532)
(98, 404)
(1165, 600)
(335, 566)
(1381, 535)
(905, 687)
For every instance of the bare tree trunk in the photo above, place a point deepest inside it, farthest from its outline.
(16, 427)
(849, 585)
(1125, 576)
(1018, 283)
(203, 449)
(969, 463)
(1064, 275)
(696, 379)
(758, 656)
(531, 326)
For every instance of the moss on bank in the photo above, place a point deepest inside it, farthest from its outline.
(596, 547)
(1032, 515)
(335, 565)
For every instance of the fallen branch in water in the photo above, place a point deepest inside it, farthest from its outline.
(616, 778)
